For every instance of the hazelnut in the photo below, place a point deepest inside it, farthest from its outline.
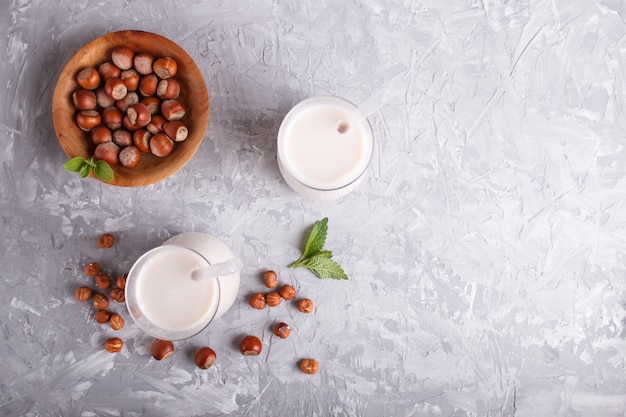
(103, 99)
(116, 322)
(108, 70)
(172, 110)
(156, 124)
(102, 316)
(258, 301)
(88, 119)
(106, 241)
(92, 269)
(108, 152)
(100, 302)
(101, 134)
(130, 157)
(141, 140)
(205, 357)
(305, 305)
(250, 346)
(128, 100)
(309, 366)
(143, 63)
(130, 78)
(153, 103)
(161, 349)
(287, 292)
(176, 130)
(88, 78)
(117, 295)
(112, 117)
(168, 89)
(164, 67)
(271, 279)
(83, 294)
(84, 99)
(103, 281)
(122, 57)
(282, 330)
(139, 115)
(148, 85)
(161, 145)
(121, 281)
(273, 299)
(122, 138)
(115, 88)
(113, 344)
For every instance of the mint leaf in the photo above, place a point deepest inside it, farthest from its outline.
(316, 239)
(85, 170)
(103, 170)
(324, 267)
(75, 164)
(322, 254)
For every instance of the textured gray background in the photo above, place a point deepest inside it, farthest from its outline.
(485, 248)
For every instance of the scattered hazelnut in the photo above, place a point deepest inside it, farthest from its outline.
(116, 322)
(258, 301)
(306, 305)
(102, 316)
(100, 302)
(121, 281)
(161, 349)
(83, 294)
(106, 241)
(117, 294)
(271, 279)
(92, 269)
(103, 281)
(273, 299)
(282, 330)
(113, 344)
(205, 357)
(287, 292)
(309, 366)
(250, 346)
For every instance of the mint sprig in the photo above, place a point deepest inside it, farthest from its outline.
(315, 258)
(85, 166)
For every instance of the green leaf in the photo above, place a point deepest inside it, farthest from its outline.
(75, 164)
(321, 254)
(85, 170)
(103, 171)
(324, 267)
(316, 239)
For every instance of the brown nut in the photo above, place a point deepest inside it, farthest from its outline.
(250, 346)
(121, 281)
(116, 322)
(103, 281)
(106, 241)
(112, 117)
(156, 124)
(122, 138)
(309, 366)
(88, 78)
(122, 57)
(271, 279)
(84, 99)
(103, 99)
(130, 78)
(306, 305)
(115, 88)
(164, 67)
(161, 349)
(205, 357)
(282, 330)
(148, 85)
(100, 302)
(101, 134)
(92, 269)
(176, 130)
(172, 110)
(273, 299)
(287, 292)
(117, 295)
(153, 103)
(108, 70)
(161, 145)
(130, 157)
(113, 344)
(258, 301)
(102, 316)
(128, 100)
(141, 139)
(168, 89)
(138, 115)
(108, 152)
(88, 119)
(83, 294)
(143, 63)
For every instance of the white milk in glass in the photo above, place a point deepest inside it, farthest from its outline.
(324, 147)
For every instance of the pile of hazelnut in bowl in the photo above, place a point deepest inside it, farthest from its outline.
(133, 102)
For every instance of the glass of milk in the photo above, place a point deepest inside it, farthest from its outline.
(165, 301)
(324, 147)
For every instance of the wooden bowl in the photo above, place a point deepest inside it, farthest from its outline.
(193, 94)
